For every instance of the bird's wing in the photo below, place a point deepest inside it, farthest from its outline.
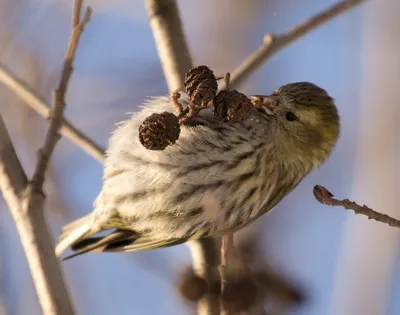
(122, 241)
(148, 187)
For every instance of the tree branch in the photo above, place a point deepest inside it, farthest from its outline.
(325, 197)
(26, 200)
(274, 43)
(76, 14)
(13, 180)
(176, 60)
(205, 261)
(170, 40)
(33, 232)
(31, 100)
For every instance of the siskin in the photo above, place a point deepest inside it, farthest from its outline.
(215, 179)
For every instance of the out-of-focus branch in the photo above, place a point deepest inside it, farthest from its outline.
(205, 260)
(274, 43)
(26, 200)
(170, 40)
(324, 196)
(31, 100)
(76, 14)
(176, 61)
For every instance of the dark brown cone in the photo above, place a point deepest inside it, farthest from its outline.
(239, 295)
(191, 286)
(232, 106)
(159, 130)
(201, 85)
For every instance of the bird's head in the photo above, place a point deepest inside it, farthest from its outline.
(305, 119)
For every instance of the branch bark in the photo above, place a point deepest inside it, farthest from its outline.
(56, 116)
(26, 199)
(176, 60)
(34, 233)
(205, 261)
(170, 40)
(325, 197)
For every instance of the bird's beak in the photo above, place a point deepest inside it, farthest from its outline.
(268, 102)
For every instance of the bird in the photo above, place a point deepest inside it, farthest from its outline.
(217, 178)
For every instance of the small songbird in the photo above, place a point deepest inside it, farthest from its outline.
(215, 179)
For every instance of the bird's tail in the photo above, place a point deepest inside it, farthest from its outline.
(73, 233)
(78, 235)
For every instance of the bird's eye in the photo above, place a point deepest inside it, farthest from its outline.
(290, 116)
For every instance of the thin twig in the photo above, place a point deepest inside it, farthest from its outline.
(274, 43)
(59, 100)
(31, 100)
(205, 260)
(13, 180)
(324, 196)
(76, 14)
(11, 170)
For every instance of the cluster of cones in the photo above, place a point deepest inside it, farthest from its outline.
(160, 130)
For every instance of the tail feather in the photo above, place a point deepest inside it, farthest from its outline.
(105, 243)
(144, 243)
(74, 224)
(78, 236)
(119, 241)
(73, 233)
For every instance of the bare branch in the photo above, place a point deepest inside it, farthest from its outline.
(29, 98)
(205, 260)
(59, 101)
(176, 61)
(170, 40)
(27, 209)
(12, 175)
(274, 43)
(325, 197)
(13, 180)
(34, 234)
(76, 14)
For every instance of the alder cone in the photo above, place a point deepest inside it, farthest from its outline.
(232, 106)
(159, 131)
(201, 85)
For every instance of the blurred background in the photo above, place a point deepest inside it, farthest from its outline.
(345, 264)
